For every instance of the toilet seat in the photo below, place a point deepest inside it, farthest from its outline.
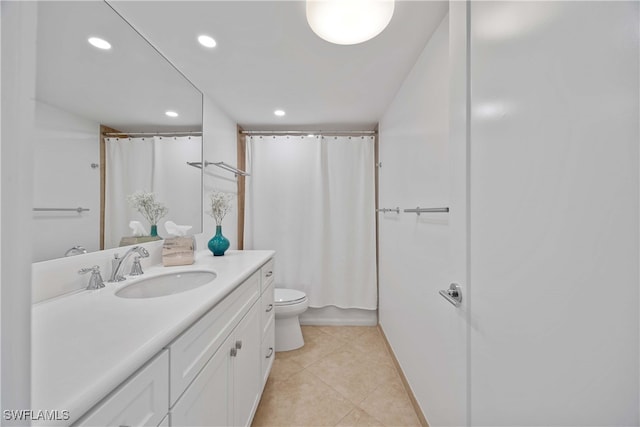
(288, 296)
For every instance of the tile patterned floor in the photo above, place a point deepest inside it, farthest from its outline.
(343, 376)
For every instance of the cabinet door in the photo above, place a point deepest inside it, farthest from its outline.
(142, 400)
(268, 350)
(247, 368)
(207, 402)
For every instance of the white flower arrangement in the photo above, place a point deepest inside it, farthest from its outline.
(220, 205)
(146, 204)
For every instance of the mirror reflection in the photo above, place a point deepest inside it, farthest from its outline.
(113, 117)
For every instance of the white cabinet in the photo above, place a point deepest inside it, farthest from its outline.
(220, 364)
(246, 369)
(227, 390)
(191, 350)
(267, 320)
(207, 400)
(213, 374)
(142, 400)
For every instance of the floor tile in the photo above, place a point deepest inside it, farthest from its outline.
(302, 400)
(390, 404)
(283, 368)
(311, 332)
(346, 333)
(372, 345)
(358, 418)
(314, 349)
(352, 375)
(342, 376)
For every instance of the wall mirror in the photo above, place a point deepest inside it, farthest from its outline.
(102, 132)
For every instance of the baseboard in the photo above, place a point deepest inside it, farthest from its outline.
(412, 397)
(334, 316)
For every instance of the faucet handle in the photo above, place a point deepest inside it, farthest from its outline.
(136, 268)
(95, 281)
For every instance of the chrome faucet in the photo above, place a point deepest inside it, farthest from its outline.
(76, 250)
(95, 281)
(117, 262)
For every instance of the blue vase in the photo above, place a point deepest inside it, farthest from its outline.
(218, 243)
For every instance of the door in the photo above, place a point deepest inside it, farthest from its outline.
(207, 402)
(247, 367)
(554, 213)
(457, 327)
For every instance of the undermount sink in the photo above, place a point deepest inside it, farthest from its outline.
(166, 284)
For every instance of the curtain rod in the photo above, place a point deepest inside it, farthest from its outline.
(186, 133)
(308, 132)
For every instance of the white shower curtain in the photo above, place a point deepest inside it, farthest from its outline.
(157, 164)
(312, 200)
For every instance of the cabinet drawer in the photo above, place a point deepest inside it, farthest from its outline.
(191, 351)
(267, 272)
(268, 350)
(267, 309)
(139, 401)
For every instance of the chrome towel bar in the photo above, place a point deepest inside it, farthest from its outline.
(420, 210)
(78, 209)
(396, 210)
(221, 165)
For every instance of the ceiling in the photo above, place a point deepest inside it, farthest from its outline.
(268, 58)
(128, 87)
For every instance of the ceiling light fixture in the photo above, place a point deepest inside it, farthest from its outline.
(207, 41)
(349, 22)
(99, 43)
(171, 113)
(279, 113)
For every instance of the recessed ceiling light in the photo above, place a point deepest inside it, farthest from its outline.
(99, 43)
(279, 113)
(171, 113)
(349, 21)
(311, 135)
(207, 41)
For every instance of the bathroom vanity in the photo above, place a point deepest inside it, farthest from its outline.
(199, 357)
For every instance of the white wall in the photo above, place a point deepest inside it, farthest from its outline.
(219, 145)
(65, 145)
(18, 91)
(426, 333)
(554, 213)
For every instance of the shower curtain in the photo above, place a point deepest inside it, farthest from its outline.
(312, 200)
(156, 164)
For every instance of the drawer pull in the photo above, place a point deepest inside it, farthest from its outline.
(269, 274)
(234, 352)
(270, 353)
(269, 308)
(239, 344)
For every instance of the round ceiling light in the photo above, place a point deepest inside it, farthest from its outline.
(99, 43)
(171, 113)
(279, 113)
(207, 41)
(349, 21)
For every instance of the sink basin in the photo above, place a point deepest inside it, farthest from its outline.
(166, 284)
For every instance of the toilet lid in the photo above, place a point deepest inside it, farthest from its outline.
(288, 296)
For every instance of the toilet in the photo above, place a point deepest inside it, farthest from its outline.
(289, 304)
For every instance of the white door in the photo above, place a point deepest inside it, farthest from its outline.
(207, 401)
(458, 325)
(554, 213)
(247, 367)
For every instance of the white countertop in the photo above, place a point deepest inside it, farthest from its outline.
(85, 344)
